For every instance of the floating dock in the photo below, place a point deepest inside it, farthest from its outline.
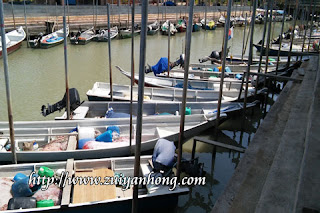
(279, 171)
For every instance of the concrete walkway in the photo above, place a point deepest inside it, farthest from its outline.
(278, 172)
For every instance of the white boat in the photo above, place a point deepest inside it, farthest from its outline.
(57, 142)
(101, 92)
(53, 39)
(102, 35)
(127, 32)
(153, 28)
(213, 86)
(83, 37)
(92, 197)
(106, 110)
(165, 27)
(13, 40)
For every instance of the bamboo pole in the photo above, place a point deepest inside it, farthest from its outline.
(250, 57)
(132, 70)
(66, 60)
(280, 41)
(14, 20)
(25, 22)
(6, 76)
(311, 26)
(244, 37)
(294, 24)
(268, 42)
(143, 38)
(185, 87)
(109, 52)
(224, 54)
(169, 32)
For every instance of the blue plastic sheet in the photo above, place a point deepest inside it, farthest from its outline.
(161, 66)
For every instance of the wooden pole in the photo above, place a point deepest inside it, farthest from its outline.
(294, 25)
(6, 76)
(224, 53)
(185, 87)
(250, 57)
(143, 38)
(169, 32)
(14, 20)
(244, 37)
(311, 25)
(25, 22)
(56, 15)
(109, 51)
(132, 70)
(66, 60)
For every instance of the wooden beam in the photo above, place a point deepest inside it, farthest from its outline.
(66, 193)
(216, 143)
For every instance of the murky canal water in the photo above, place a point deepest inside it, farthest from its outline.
(37, 78)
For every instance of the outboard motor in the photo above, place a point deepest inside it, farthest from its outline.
(178, 62)
(74, 103)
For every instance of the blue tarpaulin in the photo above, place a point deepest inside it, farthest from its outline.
(161, 66)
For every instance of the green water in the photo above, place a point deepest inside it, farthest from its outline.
(37, 78)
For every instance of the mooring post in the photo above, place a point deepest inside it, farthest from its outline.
(292, 35)
(185, 87)
(143, 38)
(305, 28)
(244, 37)
(109, 52)
(224, 54)
(280, 41)
(25, 22)
(250, 58)
(6, 76)
(132, 72)
(14, 20)
(169, 32)
(311, 25)
(66, 60)
(56, 12)
(262, 45)
(268, 42)
(205, 16)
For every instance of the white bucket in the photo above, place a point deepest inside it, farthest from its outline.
(86, 132)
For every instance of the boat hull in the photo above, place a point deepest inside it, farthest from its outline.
(274, 52)
(49, 45)
(196, 28)
(12, 48)
(80, 42)
(124, 35)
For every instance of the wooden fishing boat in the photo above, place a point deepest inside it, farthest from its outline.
(101, 92)
(211, 25)
(53, 39)
(127, 33)
(83, 37)
(196, 27)
(58, 141)
(14, 40)
(106, 110)
(285, 49)
(165, 27)
(213, 86)
(153, 28)
(101, 195)
(102, 35)
(181, 25)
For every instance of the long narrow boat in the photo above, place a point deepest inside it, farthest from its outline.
(213, 86)
(83, 37)
(127, 33)
(106, 110)
(101, 92)
(53, 39)
(285, 48)
(14, 40)
(102, 35)
(100, 194)
(153, 28)
(165, 28)
(57, 139)
(211, 25)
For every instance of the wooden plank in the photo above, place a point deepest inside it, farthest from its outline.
(72, 143)
(89, 193)
(216, 143)
(66, 193)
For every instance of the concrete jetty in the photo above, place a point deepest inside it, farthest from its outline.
(279, 171)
